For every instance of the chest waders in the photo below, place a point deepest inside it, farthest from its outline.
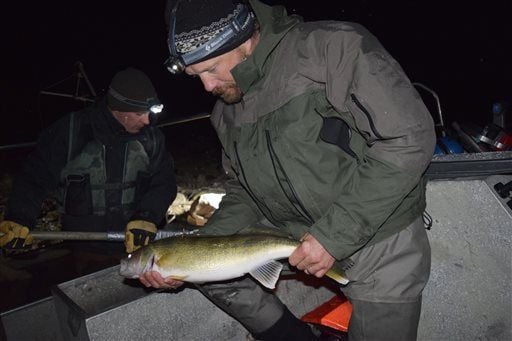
(92, 201)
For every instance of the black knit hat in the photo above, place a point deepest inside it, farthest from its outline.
(131, 90)
(204, 29)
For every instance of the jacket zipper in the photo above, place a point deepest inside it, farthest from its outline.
(248, 189)
(105, 162)
(368, 116)
(277, 163)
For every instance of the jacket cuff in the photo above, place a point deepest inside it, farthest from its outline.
(144, 215)
(340, 235)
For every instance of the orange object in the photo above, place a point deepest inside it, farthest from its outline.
(334, 313)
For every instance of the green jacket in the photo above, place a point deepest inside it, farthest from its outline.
(330, 138)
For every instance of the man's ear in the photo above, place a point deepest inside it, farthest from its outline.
(118, 115)
(250, 44)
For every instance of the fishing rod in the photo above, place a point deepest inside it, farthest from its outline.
(111, 236)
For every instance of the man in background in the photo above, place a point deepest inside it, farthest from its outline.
(109, 168)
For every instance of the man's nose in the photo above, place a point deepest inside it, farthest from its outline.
(145, 119)
(209, 83)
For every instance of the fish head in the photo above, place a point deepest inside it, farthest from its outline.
(137, 263)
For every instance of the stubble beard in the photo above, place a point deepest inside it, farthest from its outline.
(229, 93)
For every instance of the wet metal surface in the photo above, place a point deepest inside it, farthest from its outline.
(468, 296)
(100, 291)
(36, 321)
(473, 156)
(182, 315)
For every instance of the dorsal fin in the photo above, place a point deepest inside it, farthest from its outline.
(268, 273)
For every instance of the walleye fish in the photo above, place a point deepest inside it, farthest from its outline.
(200, 259)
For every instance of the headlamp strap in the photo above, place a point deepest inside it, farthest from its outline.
(172, 30)
(142, 104)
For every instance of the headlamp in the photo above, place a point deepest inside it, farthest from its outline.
(174, 65)
(150, 104)
(156, 108)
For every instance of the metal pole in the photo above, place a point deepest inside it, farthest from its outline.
(438, 103)
(184, 120)
(19, 145)
(83, 99)
(82, 71)
(113, 236)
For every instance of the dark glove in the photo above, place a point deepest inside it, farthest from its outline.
(15, 236)
(138, 233)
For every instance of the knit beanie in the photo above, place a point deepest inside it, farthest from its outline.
(218, 26)
(131, 90)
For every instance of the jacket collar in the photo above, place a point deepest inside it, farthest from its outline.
(274, 24)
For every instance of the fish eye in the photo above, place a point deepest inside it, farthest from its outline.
(129, 255)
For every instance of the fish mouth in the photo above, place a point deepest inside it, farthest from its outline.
(125, 270)
(130, 266)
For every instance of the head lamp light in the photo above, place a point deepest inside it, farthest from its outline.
(156, 108)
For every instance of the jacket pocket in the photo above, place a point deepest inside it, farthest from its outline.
(78, 197)
(337, 132)
(338, 128)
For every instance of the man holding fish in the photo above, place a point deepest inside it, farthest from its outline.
(326, 140)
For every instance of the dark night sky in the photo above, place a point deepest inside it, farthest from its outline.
(460, 50)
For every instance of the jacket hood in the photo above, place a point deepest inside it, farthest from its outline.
(274, 24)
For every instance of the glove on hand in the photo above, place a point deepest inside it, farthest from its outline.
(138, 233)
(15, 236)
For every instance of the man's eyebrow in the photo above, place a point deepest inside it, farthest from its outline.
(204, 69)
(194, 73)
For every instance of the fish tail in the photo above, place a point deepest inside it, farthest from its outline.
(337, 275)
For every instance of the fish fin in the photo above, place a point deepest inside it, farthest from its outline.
(268, 273)
(338, 275)
(149, 265)
(179, 278)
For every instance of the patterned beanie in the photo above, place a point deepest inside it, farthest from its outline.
(131, 90)
(216, 26)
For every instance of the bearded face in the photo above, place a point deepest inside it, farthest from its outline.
(215, 74)
(229, 93)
